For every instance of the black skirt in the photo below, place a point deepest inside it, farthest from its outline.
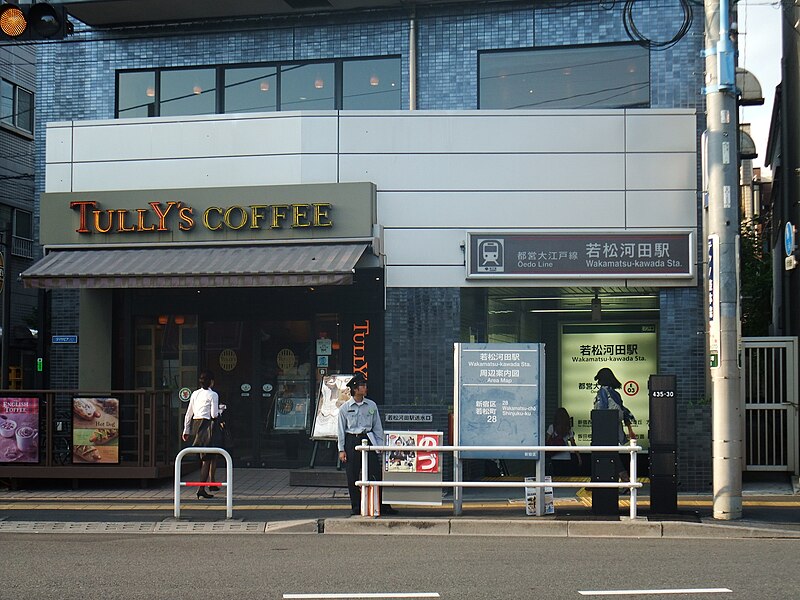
(202, 434)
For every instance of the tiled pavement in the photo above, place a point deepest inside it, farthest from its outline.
(263, 498)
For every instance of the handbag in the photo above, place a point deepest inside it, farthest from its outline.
(220, 437)
(555, 440)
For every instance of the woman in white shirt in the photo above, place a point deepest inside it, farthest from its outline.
(203, 407)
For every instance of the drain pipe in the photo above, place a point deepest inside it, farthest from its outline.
(412, 60)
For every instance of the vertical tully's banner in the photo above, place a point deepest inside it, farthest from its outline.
(630, 350)
(19, 430)
(95, 430)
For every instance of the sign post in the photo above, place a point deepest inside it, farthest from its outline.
(498, 396)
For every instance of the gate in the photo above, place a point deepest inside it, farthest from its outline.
(770, 395)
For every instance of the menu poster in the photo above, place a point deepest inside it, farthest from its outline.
(410, 461)
(95, 430)
(19, 430)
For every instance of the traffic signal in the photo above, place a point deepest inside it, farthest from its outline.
(40, 21)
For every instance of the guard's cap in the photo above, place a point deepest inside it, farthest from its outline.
(356, 381)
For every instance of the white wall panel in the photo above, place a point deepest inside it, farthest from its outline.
(676, 171)
(485, 171)
(196, 139)
(428, 276)
(438, 173)
(658, 208)
(420, 246)
(477, 133)
(661, 133)
(204, 172)
(58, 177)
(501, 209)
(455, 276)
(58, 145)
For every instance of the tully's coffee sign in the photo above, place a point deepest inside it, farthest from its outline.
(620, 254)
(167, 216)
(268, 213)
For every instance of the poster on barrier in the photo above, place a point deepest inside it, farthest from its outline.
(19, 430)
(412, 465)
(95, 430)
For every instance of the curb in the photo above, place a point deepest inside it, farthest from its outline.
(640, 528)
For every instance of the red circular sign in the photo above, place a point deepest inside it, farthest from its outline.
(631, 388)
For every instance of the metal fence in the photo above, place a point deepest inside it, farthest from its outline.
(370, 507)
(770, 397)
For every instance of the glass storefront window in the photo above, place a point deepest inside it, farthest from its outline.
(166, 352)
(136, 94)
(371, 84)
(614, 76)
(252, 89)
(188, 92)
(364, 84)
(308, 87)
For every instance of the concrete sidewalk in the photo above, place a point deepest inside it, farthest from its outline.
(263, 501)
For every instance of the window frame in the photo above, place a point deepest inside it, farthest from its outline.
(14, 122)
(15, 229)
(220, 69)
(587, 47)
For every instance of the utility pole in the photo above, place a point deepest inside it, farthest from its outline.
(721, 167)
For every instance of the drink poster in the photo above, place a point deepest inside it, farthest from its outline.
(95, 430)
(401, 461)
(19, 430)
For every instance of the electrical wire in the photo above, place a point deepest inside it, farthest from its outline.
(638, 37)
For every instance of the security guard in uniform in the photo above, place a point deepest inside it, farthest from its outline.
(358, 420)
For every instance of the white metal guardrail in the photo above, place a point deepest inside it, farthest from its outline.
(370, 507)
(227, 484)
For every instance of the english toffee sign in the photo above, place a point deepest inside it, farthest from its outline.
(588, 254)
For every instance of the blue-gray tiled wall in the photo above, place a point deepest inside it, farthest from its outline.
(76, 81)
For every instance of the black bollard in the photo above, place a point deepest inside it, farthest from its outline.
(663, 445)
(605, 465)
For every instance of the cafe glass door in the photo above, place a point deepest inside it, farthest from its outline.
(264, 375)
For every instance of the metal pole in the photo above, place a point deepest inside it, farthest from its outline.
(634, 476)
(458, 474)
(7, 280)
(412, 60)
(722, 167)
(365, 490)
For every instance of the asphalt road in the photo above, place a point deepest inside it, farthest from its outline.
(111, 567)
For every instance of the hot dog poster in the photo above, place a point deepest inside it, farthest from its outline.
(95, 430)
(19, 430)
